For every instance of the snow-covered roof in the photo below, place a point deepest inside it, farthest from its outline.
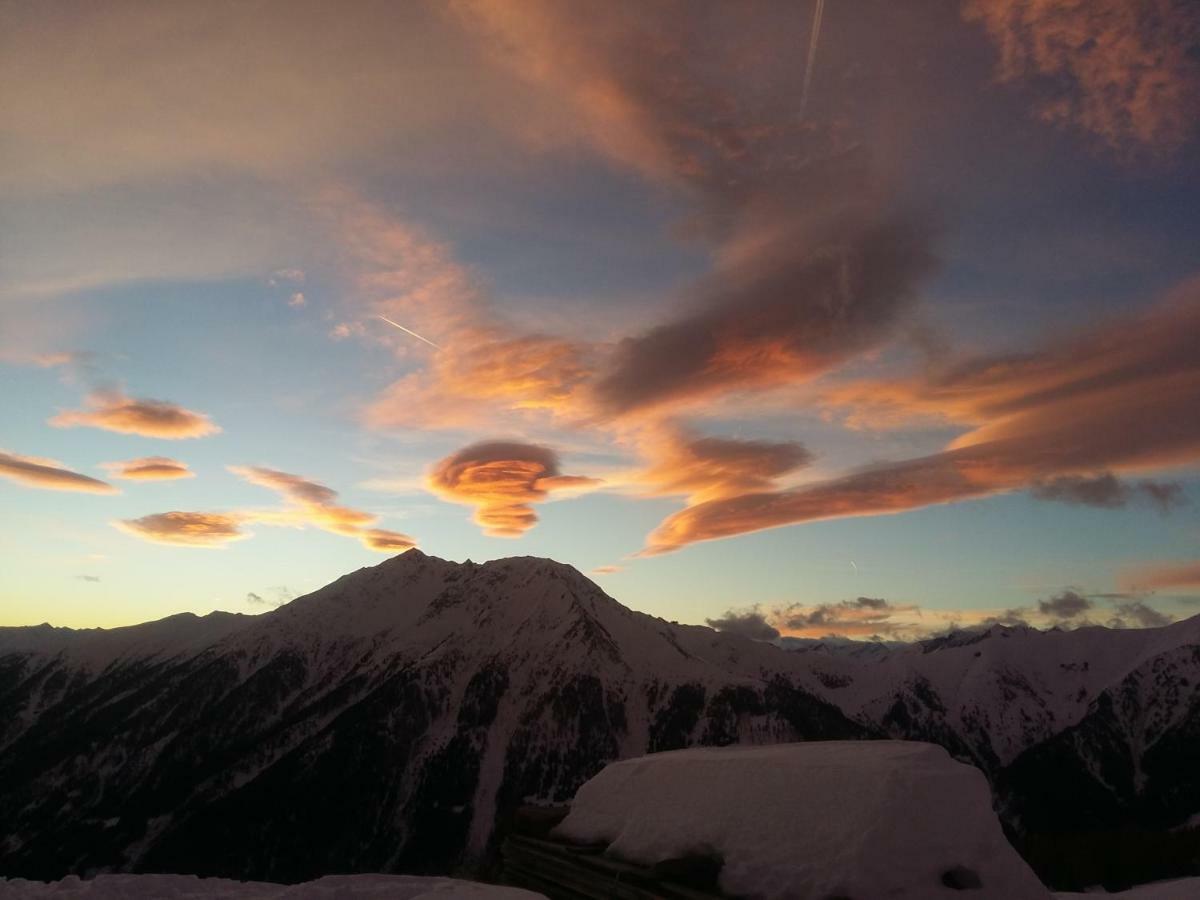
(875, 819)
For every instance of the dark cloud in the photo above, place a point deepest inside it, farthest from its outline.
(860, 617)
(1137, 614)
(277, 596)
(1012, 618)
(502, 480)
(1166, 495)
(38, 472)
(1067, 604)
(871, 603)
(748, 623)
(1106, 490)
(785, 313)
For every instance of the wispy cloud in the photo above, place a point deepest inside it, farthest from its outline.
(1123, 70)
(1067, 604)
(478, 365)
(112, 410)
(49, 474)
(1106, 490)
(1162, 576)
(312, 503)
(1137, 614)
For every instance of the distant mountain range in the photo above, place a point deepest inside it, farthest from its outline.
(393, 720)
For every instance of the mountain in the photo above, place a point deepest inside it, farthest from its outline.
(382, 723)
(394, 719)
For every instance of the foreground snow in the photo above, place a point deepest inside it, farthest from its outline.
(892, 819)
(393, 887)
(1182, 889)
(331, 887)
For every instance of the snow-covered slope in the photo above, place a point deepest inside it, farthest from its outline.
(991, 695)
(188, 887)
(391, 720)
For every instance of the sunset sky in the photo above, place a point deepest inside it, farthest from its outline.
(875, 333)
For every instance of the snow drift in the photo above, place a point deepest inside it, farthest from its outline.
(894, 819)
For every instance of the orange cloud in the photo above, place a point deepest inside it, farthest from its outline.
(861, 617)
(150, 468)
(478, 373)
(386, 541)
(794, 303)
(502, 480)
(1162, 577)
(1121, 397)
(813, 264)
(480, 365)
(189, 529)
(704, 468)
(112, 410)
(308, 503)
(312, 503)
(1124, 70)
(39, 472)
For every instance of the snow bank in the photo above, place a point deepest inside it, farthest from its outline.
(331, 887)
(870, 819)
(1181, 889)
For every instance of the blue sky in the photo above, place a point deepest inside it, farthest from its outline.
(926, 342)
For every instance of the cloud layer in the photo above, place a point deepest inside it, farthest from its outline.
(1165, 576)
(1119, 397)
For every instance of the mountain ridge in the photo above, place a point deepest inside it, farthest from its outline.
(422, 700)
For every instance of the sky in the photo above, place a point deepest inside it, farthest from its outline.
(871, 320)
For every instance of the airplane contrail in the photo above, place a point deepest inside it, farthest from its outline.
(812, 54)
(409, 331)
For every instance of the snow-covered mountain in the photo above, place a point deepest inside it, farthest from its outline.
(391, 720)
